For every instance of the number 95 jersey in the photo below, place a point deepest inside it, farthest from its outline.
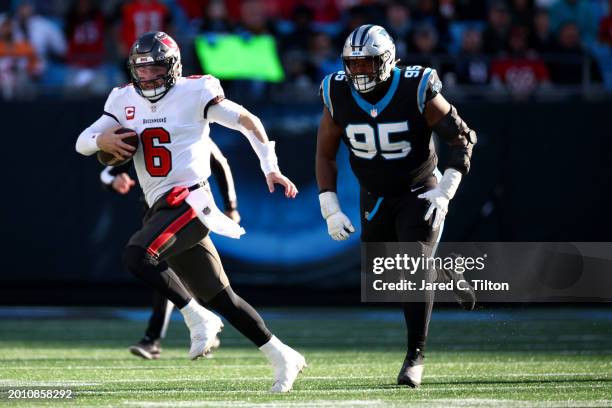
(174, 145)
(390, 144)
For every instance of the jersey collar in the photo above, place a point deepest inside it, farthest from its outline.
(376, 109)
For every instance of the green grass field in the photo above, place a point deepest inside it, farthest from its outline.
(542, 358)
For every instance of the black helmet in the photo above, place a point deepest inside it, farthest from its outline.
(155, 48)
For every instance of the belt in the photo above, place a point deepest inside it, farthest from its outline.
(201, 184)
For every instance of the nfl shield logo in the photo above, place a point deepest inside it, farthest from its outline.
(374, 112)
(153, 108)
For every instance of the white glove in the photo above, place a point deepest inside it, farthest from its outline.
(440, 196)
(339, 226)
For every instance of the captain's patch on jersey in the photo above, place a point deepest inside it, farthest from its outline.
(130, 112)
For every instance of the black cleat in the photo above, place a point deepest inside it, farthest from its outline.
(462, 289)
(147, 349)
(412, 369)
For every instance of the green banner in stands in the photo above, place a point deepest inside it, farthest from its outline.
(231, 56)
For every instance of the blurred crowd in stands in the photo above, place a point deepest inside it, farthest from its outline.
(519, 48)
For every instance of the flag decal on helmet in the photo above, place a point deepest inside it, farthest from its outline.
(169, 42)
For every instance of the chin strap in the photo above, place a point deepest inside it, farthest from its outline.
(156, 96)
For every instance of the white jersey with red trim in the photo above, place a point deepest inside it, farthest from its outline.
(174, 145)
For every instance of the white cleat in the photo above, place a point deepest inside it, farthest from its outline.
(215, 346)
(412, 376)
(289, 364)
(204, 337)
(411, 372)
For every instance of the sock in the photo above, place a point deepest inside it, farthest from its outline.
(417, 316)
(194, 313)
(272, 348)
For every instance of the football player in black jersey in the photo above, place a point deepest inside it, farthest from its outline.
(117, 179)
(386, 115)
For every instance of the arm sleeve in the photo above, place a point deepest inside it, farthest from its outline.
(451, 127)
(86, 142)
(227, 113)
(223, 174)
(460, 138)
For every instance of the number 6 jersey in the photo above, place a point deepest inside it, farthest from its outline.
(389, 141)
(174, 145)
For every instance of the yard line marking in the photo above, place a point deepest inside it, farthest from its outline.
(426, 387)
(600, 376)
(269, 404)
(435, 403)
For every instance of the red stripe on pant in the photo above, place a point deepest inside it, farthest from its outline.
(169, 232)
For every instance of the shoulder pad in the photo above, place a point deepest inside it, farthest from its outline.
(325, 89)
(429, 86)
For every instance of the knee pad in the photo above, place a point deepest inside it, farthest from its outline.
(137, 259)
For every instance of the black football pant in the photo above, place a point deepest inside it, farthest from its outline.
(172, 233)
(400, 219)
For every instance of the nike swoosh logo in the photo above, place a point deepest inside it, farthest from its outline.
(412, 190)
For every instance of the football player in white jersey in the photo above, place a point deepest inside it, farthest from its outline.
(117, 179)
(171, 115)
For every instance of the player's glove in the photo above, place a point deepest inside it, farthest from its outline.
(440, 196)
(339, 226)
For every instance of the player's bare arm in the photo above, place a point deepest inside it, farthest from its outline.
(436, 109)
(225, 180)
(328, 142)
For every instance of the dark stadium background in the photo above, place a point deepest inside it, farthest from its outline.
(541, 170)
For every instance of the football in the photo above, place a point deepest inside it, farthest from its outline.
(108, 159)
